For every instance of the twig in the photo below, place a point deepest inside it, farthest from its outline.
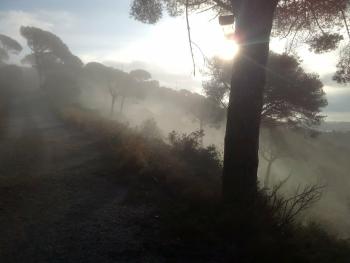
(206, 9)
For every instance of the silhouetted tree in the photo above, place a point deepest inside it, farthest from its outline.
(140, 75)
(102, 76)
(254, 23)
(8, 45)
(342, 74)
(48, 52)
(151, 85)
(126, 87)
(273, 147)
(119, 84)
(144, 80)
(290, 96)
(204, 110)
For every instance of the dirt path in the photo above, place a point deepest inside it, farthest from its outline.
(57, 200)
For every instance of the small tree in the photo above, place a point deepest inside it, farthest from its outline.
(8, 46)
(128, 87)
(117, 83)
(273, 146)
(140, 75)
(205, 111)
(48, 52)
(291, 95)
(102, 76)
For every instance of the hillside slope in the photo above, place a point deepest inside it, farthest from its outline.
(58, 202)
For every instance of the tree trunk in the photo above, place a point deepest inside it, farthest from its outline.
(200, 124)
(201, 129)
(122, 104)
(253, 29)
(112, 105)
(39, 69)
(268, 174)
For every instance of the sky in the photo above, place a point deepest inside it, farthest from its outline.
(102, 31)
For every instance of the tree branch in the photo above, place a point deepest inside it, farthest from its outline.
(345, 22)
(223, 5)
(189, 39)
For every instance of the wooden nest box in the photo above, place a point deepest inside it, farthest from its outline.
(226, 20)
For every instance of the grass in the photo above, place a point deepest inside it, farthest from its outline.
(182, 180)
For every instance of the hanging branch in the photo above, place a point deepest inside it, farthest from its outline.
(206, 9)
(291, 27)
(205, 58)
(190, 39)
(346, 23)
(316, 20)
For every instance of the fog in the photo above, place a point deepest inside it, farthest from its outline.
(81, 141)
(306, 160)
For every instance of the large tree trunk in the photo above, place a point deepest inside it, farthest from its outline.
(253, 29)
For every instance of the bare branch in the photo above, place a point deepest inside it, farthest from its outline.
(189, 39)
(206, 9)
(287, 210)
(316, 20)
(345, 22)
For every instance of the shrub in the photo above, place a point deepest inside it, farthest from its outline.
(182, 180)
(150, 130)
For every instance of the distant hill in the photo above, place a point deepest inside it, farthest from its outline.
(335, 126)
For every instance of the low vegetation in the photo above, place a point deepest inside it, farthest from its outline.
(182, 181)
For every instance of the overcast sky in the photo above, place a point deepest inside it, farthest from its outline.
(101, 30)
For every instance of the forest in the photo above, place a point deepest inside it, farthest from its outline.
(103, 164)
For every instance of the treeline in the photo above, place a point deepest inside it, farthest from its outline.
(292, 97)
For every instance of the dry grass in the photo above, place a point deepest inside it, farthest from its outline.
(183, 180)
(139, 157)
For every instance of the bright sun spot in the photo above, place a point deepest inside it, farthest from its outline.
(227, 49)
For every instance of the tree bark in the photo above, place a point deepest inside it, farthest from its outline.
(253, 29)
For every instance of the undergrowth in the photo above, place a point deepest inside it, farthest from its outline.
(182, 179)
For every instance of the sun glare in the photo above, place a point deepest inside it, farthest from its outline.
(227, 49)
